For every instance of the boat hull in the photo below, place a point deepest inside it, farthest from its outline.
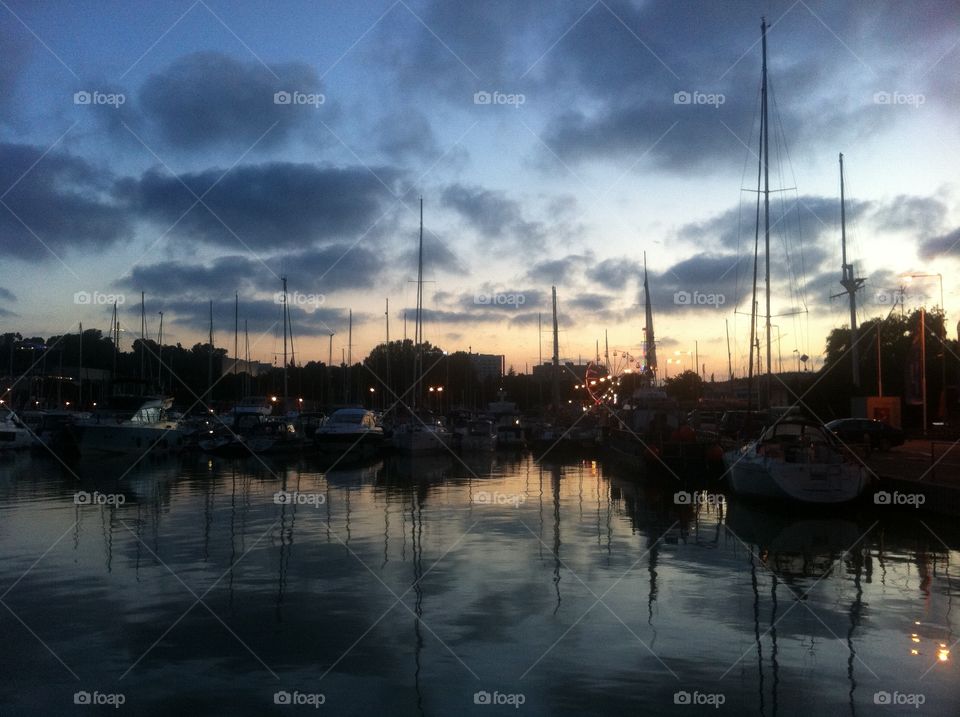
(99, 439)
(821, 483)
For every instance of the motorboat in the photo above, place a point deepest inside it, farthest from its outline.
(350, 430)
(133, 424)
(479, 436)
(14, 435)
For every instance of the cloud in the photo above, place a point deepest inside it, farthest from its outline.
(208, 99)
(7, 295)
(60, 205)
(492, 214)
(558, 271)
(265, 206)
(944, 244)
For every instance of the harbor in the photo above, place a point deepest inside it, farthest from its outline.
(431, 359)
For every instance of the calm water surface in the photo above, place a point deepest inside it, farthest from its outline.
(430, 587)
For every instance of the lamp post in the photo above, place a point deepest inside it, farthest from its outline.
(943, 346)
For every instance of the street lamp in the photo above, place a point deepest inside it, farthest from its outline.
(943, 343)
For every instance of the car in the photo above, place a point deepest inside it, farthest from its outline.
(881, 436)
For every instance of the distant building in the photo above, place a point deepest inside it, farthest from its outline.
(253, 368)
(568, 371)
(487, 365)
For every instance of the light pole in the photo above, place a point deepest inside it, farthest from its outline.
(942, 408)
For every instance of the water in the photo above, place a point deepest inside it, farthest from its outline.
(187, 586)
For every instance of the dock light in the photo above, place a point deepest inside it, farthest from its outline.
(431, 389)
(440, 389)
(372, 390)
(273, 398)
(67, 403)
(94, 404)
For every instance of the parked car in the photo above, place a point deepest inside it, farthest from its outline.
(878, 434)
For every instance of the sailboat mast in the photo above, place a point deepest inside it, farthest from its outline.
(849, 282)
(115, 335)
(649, 340)
(556, 354)
(729, 355)
(210, 358)
(236, 340)
(284, 280)
(160, 354)
(386, 348)
(80, 372)
(766, 201)
(418, 328)
(143, 334)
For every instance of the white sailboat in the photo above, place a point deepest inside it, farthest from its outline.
(795, 458)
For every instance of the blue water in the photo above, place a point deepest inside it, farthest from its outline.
(497, 585)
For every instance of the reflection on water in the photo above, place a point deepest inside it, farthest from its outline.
(428, 586)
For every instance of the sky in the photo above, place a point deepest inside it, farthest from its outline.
(195, 151)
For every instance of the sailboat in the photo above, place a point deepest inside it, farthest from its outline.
(795, 458)
(13, 434)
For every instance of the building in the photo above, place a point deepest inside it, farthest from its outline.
(487, 365)
(253, 368)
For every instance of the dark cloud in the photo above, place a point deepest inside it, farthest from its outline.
(272, 205)
(7, 295)
(411, 139)
(921, 216)
(615, 273)
(559, 271)
(264, 318)
(210, 99)
(944, 244)
(493, 214)
(59, 205)
(437, 254)
(312, 271)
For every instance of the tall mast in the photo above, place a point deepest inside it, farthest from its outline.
(246, 353)
(849, 282)
(729, 355)
(210, 358)
(649, 340)
(160, 354)
(766, 201)
(606, 350)
(80, 376)
(236, 340)
(556, 354)
(350, 355)
(418, 329)
(115, 335)
(284, 280)
(386, 349)
(143, 334)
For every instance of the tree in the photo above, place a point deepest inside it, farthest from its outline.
(686, 386)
